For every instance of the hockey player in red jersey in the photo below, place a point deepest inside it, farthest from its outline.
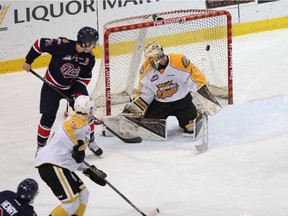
(19, 203)
(165, 87)
(63, 155)
(70, 70)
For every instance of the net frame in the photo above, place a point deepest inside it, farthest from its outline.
(141, 22)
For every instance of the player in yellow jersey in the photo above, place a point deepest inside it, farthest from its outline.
(165, 87)
(63, 155)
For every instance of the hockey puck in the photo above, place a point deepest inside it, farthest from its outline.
(156, 17)
(208, 47)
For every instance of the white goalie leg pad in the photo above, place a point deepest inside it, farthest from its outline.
(113, 123)
(206, 102)
(128, 128)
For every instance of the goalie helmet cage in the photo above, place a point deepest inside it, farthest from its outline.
(204, 36)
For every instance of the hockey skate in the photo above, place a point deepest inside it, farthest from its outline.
(95, 149)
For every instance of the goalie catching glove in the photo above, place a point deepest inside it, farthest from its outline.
(96, 175)
(136, 108)
(78, 151)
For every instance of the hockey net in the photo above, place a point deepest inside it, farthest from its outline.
(204, 36)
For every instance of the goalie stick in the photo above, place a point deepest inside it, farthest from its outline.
(124, 139)
(215, 106)
(152, 213)
(204, 144)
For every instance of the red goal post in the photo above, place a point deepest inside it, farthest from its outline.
(204, 36)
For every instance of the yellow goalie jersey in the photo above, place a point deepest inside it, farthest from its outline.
(58, 150)
(172, 83)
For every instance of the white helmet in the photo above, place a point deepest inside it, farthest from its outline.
(153, 54)
(84, 104)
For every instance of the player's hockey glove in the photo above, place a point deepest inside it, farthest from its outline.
(96, 175)
(78, 151)
(136, 108)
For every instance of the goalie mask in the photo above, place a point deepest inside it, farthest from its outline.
(87, 37)
(153, 54)
(84, 104)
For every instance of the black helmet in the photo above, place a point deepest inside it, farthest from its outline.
(87, 37)
(27, 190)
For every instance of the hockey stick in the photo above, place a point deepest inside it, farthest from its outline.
(124, 139)
(51, 86)
(152, 213)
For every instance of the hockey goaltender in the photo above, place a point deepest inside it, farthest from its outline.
(169, 85)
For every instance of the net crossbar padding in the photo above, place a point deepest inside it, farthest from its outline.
(204, 36)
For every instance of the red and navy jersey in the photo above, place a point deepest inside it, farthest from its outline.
(9, 205)
(67, 66)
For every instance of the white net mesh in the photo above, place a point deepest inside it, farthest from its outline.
(201, 35)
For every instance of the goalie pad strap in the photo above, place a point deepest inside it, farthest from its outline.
(195, 127)
(141, 103)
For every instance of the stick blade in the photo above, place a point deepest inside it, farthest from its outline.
(132, 140)
(154, 212)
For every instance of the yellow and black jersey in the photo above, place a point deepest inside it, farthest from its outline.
(58, 150)
(171, 83)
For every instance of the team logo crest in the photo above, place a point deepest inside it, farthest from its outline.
(155, 77)
(69, 71)
(3, 12)
(185, 61)
(167, 89)
(64, 40)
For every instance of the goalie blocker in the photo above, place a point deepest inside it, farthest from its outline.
(155, 129)
(205, 101)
